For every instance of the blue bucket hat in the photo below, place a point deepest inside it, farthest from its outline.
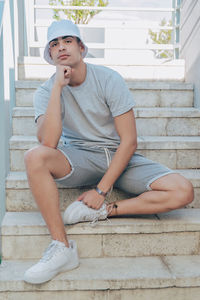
(58, 29)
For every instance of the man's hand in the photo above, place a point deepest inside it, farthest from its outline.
(63, 75)
(92, 199)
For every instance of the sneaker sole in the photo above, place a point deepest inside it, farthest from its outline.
(51, 275)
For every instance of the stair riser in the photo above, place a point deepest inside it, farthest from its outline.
(106, 245)
(143, 98)
(145, 126)
(22, 199)
(174, 159)
(120, 294)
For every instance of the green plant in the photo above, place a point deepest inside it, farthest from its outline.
(164, 36)
(78, 16)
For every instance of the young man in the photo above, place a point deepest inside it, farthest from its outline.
(90, 108)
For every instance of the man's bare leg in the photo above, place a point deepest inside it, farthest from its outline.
(42, 165)
(169, 192)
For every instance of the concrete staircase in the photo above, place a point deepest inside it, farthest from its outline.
(138, 257)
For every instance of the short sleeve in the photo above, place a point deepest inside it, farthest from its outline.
(118, 96)
(40, 101)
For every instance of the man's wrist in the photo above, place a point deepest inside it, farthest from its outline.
(100, 192)
(58, 86)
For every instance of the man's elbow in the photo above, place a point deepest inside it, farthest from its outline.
(46, 142)
(131, 145)
(49, 144)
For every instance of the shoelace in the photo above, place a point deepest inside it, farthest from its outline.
(50, 251)
(96, 221)
(108, 159)
(97, 215)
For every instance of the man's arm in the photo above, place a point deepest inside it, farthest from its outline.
(126, 129)
(49, 125)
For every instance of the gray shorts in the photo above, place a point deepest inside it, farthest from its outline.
(89, 166)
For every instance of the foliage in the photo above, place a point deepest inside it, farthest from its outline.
(164, 36)
(78, 16)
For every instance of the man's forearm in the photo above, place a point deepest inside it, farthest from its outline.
(117, 166)
(50, 129)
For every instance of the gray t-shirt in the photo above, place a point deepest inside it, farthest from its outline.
(88, 109)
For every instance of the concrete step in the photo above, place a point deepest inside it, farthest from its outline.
(176, 152)
(19, 197)
(163, 121)
(145, 93)
(34, 68)
(142, 278)
(173, 233)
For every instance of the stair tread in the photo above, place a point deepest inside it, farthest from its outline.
(180, 220)
(19, 142)
(145, 112)
(110, 273)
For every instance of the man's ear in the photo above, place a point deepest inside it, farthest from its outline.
(82, 48)
(50, 53)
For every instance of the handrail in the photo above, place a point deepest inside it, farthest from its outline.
(2, 121)
(7, 90)
(120, 47)
(2, 2)
(108, 8)
(45, 23)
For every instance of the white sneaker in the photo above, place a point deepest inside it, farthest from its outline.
(79, 212)
(57, 258)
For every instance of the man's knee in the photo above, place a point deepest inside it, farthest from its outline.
(179, 190)
(183, 194)
(34, 156)
(46, 158)
(187, 192)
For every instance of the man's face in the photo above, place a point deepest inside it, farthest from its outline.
(66, 51)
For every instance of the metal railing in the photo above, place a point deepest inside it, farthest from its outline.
(106, 44)
(176, 26)
(2, 123)
(7, 88)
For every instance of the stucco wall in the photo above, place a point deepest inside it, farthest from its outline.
(190, 43)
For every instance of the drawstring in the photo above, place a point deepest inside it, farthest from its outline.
(108, 160)
(108, 156)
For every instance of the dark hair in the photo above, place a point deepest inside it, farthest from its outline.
(78, 40)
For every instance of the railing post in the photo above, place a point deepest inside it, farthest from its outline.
(176, 25)
(30, 12)
(22, 29)
(7, 91)
(2, 121)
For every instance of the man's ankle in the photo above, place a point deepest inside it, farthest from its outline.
(112, 209)
(62, 240)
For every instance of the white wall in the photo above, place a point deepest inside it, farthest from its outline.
(190, 41)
